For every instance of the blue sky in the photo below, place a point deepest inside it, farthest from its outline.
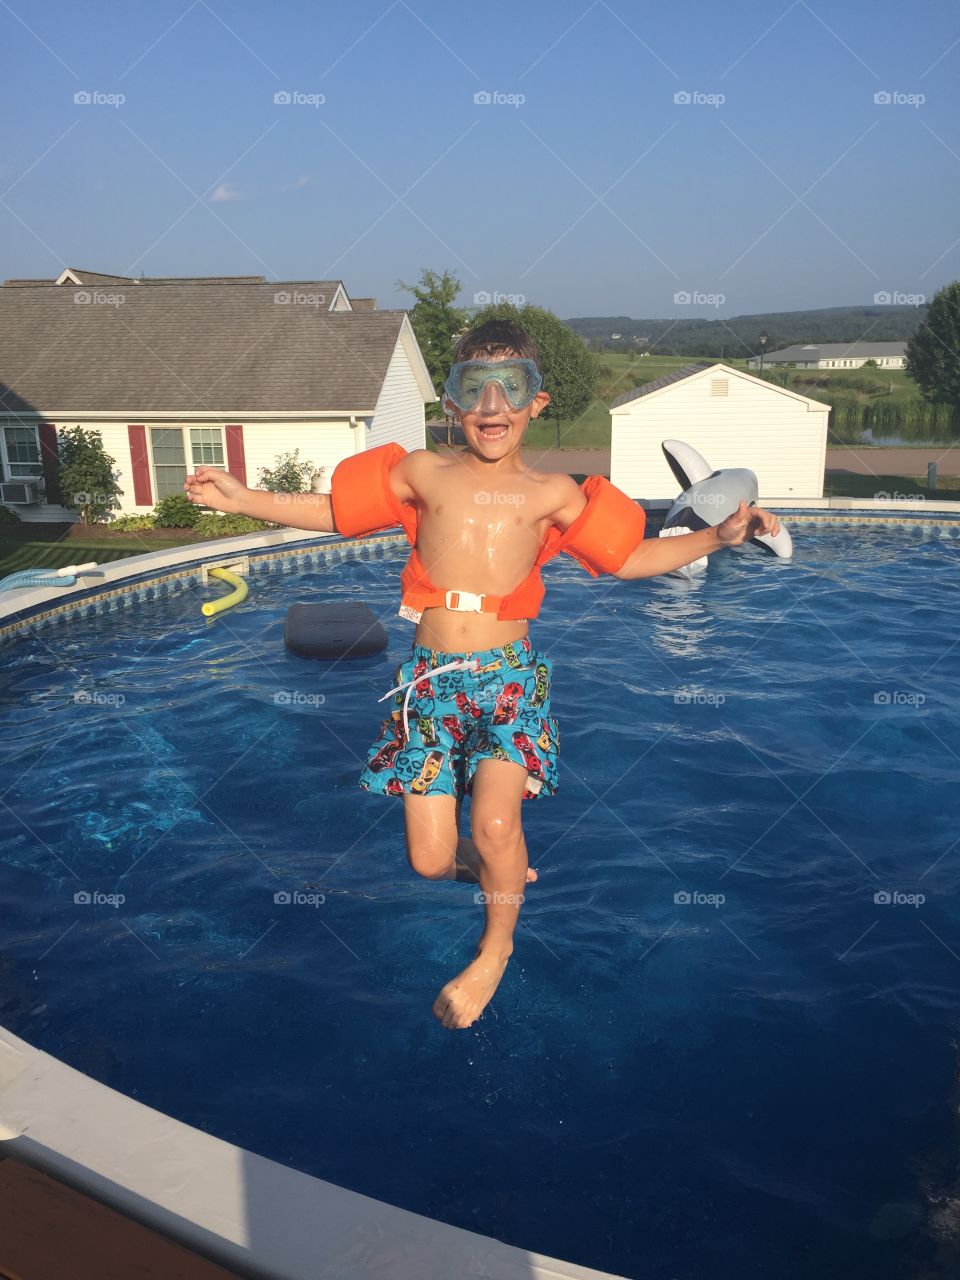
(782, 184)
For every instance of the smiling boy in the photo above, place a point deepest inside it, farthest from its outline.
(471, 712)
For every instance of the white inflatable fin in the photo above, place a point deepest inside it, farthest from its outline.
(687, 465)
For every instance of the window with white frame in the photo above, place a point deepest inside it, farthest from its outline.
(20, 454)
(171, 447)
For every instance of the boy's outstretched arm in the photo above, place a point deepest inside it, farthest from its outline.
(221, 491)
(660, 555)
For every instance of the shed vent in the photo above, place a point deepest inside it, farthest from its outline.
(719, 386)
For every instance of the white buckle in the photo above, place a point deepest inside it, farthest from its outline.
(467, 601)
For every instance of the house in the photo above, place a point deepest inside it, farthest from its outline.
(837, 355)
(225, 371)
(732, 418)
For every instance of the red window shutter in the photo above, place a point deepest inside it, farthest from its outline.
(50, 460)
(140, 462)
(236, 460)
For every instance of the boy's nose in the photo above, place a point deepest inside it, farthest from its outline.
(492, 399)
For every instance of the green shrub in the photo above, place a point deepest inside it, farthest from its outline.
(129, 524)
(8, 517)
(225, 526)
(86, 481)
(175, 511)
(289, 475)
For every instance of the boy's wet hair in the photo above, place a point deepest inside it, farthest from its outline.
(497, 338)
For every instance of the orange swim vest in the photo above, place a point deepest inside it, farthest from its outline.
(601, 538)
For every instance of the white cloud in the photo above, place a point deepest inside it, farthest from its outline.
(225, 193)
(299, 183)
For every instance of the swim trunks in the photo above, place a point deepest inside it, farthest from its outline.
(495, 707)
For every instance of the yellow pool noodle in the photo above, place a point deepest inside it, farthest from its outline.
(236, 596)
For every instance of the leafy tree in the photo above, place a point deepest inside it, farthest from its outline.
(288, 475)
(436, 321)
(569, 369)
(175, 511)
(933, 353)
(88, 483)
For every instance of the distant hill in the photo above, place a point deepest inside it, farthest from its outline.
(736, 336)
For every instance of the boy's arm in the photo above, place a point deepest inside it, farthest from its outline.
(221, 491)
(661, 555)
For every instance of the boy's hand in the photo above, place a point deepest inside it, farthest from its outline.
(746, 522)
(211, 487)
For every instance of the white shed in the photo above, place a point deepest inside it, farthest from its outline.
(732, 418)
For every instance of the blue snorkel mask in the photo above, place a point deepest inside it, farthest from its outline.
(519, 380)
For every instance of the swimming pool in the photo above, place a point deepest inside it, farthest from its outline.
(715, 1054)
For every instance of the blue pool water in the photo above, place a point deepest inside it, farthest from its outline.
(758, 1082)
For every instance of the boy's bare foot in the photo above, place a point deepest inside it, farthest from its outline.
(465, 997)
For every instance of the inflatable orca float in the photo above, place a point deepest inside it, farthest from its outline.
(709, 497)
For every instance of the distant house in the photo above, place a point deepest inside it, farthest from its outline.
(837, 355)
(732, 418)
(225, 371)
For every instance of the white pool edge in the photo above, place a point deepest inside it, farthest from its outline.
(236, 1208)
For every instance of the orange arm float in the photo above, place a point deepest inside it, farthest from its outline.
(362, 497)
(606, 531)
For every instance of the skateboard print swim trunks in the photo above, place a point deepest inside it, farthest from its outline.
(497, 708)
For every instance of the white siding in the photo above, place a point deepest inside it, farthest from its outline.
(399, 415)
(781, 438)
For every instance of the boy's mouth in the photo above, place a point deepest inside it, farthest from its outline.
(493, 431)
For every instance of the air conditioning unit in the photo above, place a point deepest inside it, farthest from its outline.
(19, 493)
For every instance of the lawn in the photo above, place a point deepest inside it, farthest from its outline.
(847, 484)
(51, 546)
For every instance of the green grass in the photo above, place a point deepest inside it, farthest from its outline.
(35, 546)
(848, 484)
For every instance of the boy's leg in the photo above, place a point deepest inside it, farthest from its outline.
(498, 787)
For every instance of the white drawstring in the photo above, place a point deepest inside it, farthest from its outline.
(461, 664)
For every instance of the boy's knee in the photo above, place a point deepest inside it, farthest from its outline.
(432, 862)
(495, 830)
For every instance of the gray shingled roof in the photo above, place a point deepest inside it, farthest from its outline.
(636, 392)
(837, 351)
(184, 348)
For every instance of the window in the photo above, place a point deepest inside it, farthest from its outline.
(22, 449)
(169, 446)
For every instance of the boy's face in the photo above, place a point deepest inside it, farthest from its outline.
(493, 428)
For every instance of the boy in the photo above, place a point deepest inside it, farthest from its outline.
(472, 706)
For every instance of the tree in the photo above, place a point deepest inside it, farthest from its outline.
(569, 369)
(436, 321)
(88, 481)
(933, 353)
